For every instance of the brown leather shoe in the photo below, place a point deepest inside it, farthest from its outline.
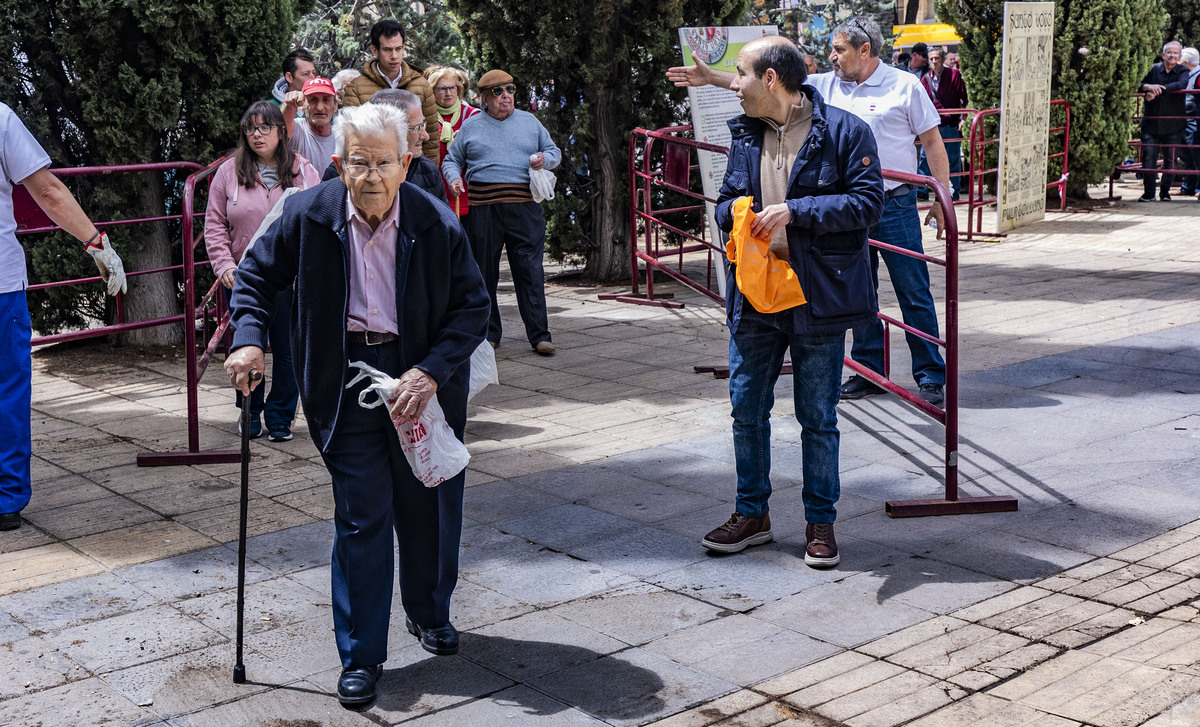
(822, 550)
(738, 533)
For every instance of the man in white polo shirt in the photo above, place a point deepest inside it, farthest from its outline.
(898, 110)
(24, 162)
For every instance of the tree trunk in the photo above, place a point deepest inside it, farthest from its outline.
(145, 247)
(608, 259)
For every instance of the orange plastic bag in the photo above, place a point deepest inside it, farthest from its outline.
(768, 283)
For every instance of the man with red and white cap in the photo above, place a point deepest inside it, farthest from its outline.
(312, 134)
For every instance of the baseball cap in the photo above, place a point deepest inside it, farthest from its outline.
(316, 85)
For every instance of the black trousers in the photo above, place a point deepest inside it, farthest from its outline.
(1152, 146)
(520, 228)
(374, 495)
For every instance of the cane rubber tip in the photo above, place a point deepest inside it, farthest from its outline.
(239, 674)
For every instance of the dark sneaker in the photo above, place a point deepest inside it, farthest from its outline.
(1165, 196)
(255, 426)
(857, 387)
(932, 393)
(1146, 198)
(279, 434)
(739, 533)
(822, 550)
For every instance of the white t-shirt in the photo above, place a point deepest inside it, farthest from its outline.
(20, 156)
(314, 148)
(893, 103)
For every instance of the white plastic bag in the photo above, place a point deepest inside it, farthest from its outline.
(541, 183)
(433, 452)
(483, 369)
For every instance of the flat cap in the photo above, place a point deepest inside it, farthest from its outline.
(494, 77)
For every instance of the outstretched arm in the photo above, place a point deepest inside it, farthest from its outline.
(699, 75)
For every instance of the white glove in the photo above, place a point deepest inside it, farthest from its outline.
(109, 263)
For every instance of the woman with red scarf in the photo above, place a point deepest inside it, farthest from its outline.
(449, 88)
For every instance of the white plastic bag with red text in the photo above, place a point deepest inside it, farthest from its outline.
(433, 452)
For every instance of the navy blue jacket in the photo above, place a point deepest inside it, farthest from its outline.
(421, 172)
(442, 305)
(835, 194)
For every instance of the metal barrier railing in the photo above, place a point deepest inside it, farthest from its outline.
(1172, 152)
(197, 362)
(978, 198)
(31, 220)
(964, 173)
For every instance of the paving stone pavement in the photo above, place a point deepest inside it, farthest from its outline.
(585, 598)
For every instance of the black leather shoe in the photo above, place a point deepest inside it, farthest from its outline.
(440, 640)
(356, 686)
(857, 387)
(10, 521)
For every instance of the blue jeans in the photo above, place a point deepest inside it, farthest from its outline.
(901, 226)
(755, 355)
(279, 407)
(16, 390)
(953, 146)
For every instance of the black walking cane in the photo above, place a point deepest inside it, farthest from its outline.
(239, 669)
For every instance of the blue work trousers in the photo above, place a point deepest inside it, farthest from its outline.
(375, 494)
(16, 390)
(901, 226)
(756, 352)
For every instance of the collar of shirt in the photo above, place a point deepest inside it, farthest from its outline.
(360, 231)
(372, 293)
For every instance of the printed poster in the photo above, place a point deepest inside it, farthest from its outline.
(1024, 113)
(713, 107)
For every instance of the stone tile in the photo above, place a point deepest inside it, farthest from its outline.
(715, 711)
(293, 549)
(85, 702)
(306, 648)
(957, 651)
(1074, 577)
(140, 543)
(631, 687)
(10, 629)
(1005, 666)
(637, 613)
(1044, 675)
(564, 526)
(270, 604)
(1132, 637)
(133, 638)
(822, 612)
(58, 606)
(1184, 592)
(1184, 714)
(928, 584)
(812, 674)
(1162, 551)
(43, 565)
(1008, 556)
(484, 547)
(550, 578)
(736, 582)
(994, 606)
(24, 538)
(534, 644)
(194, 681)
(847, 683)
(912, 636)
(88, 518)
(890, 691)
(1097, 627)
(1107, 676)
(906, 707)
(500, 500)
(263, 516)
(474, 606)
(33, 664)
(191, 575)
(1077, 528)
(642, 551)
(60, 491)
(1062, 620)
(708, 646)
(517, 706)
(276, 705)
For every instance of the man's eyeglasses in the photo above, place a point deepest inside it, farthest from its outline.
(499, 91)
(386, 170)
(260, 130)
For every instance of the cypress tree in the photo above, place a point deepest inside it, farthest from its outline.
(104, 83)
(596, 69)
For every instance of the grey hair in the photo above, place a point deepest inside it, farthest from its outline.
(342, 77)
(861, 29)
(370, 118)
(404, 100)
(1170, 43)
(1191, 56)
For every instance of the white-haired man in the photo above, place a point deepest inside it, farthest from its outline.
(1163, 120)
(387, 278)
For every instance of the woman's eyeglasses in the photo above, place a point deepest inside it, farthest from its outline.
(260, 130)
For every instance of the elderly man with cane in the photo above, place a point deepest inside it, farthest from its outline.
(383, 275)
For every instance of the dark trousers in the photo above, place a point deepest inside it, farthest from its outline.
(16, 391)
(279, 407)
(1190, 157)
(1152, 146)
(375, 495)
(521, 228)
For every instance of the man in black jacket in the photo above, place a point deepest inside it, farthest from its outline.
(423, 172)
(1163, 119)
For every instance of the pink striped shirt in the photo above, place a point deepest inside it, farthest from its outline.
(372, 271)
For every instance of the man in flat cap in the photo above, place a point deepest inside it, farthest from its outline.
(490, 162)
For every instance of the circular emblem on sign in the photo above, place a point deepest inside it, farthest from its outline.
(707, 44)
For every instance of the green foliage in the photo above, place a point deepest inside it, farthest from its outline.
(814, 38)
(1122, 38)
(1183, 24)
(102, 83)
(338, 32)
(597, 69)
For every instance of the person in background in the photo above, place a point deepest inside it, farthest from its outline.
(298, 67)
(953, 61)
(244, 189)
(450, 92)
(340, 79)
(918, 63)
(948, 91)
(312, 135)
(1162, 135)
(390, 70)
(24, 162)
(421, 171)
(490, 160)
(810, 64)
(1190, 156)
(902, 61)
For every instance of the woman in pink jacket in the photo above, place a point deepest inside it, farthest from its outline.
(243, 191)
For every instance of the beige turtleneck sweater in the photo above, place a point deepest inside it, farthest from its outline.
(780, 146)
